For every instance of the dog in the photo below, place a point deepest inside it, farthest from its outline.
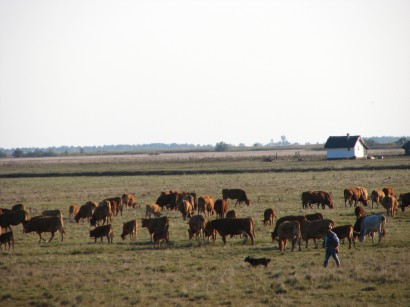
(257, 261)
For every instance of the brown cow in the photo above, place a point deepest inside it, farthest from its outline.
(231, 214)
(186, 208)
(232, 227)
(155, 224)
(391, 205)
(73, 210)
(13, 218)
(86, 211)
(298, 218)
(221, 207)
(7, 238)
(289, 230)
(153, 209)
(102, 231)
(404, 200)
(129, 228)
(315, 230)
(376, 197)
(268, 216)
(359, 212)
(128, 200)
(345, 232)
(237, 194)
(389, 191)
(197, 225)
(40, 224)
(161, 237)
(206, 205)
(101, 213)
(116, 205)
(317, 197)
(356, 194)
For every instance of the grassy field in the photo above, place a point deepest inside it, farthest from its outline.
(77, 272)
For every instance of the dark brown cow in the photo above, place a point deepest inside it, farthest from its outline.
(404, 200)
(155, 224)
(18, 207)
(298, 218)
(315, 230)
(101, 214)
(13, 218)
(345, 232)
(376, 197)
(7, 238)
(116, 205)
(86, 211)
(40, 224)
(289, 230)
(221, 207)
(310, 198)
(129, 228)
(167, 199)
(356, 194)
(161, 237)
(268, 216)
(231, 214)
(232, 227)
(102, 231)
(359, 211)
(389, 191)
(128, 200)
(314, 217)
(237, 194)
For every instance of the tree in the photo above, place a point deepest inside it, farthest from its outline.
(221, 146)
(17, 153)
(401, 141)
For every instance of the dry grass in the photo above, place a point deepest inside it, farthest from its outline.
(78, 272)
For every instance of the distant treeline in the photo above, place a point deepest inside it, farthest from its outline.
(150, 148)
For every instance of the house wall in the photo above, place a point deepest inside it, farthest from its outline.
(359, 151)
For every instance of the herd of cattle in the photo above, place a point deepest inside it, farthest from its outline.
(287, 228)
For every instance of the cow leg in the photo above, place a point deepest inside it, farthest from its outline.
(224, 239)
(372, 235)
(52, 236)
(41, 238)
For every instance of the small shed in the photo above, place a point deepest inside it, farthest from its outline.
(406, 148)
(346, 147)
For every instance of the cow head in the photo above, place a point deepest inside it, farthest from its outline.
(247, 202)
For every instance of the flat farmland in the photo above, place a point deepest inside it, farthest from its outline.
(79, 272)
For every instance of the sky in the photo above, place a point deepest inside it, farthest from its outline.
(84, 73)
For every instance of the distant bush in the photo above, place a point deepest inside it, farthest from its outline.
(221, 146)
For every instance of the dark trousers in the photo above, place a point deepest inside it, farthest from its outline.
(331, 252)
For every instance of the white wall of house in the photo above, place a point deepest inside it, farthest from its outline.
(359, 151)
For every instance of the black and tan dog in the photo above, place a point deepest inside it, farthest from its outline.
(257, 261)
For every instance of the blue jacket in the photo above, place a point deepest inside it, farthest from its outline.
(331, 240)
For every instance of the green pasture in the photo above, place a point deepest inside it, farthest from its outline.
(78, 272)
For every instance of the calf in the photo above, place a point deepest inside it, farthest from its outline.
(128, 199)
(7, 238)
(197, 225)
(345, 232)
(359, 212)
(72, 211)
(153, 209)
(268, 216)
(161, 237)
(254, 262)
(129, 228)
(102, 231)
(220, 207)
(206, 205)
(391, 204)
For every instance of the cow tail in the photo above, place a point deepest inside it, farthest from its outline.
(383, 226)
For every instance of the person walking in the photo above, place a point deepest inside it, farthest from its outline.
(331, 243)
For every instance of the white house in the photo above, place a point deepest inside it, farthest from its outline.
(346, 147)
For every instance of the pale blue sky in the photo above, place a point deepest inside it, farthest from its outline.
(131, 72)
